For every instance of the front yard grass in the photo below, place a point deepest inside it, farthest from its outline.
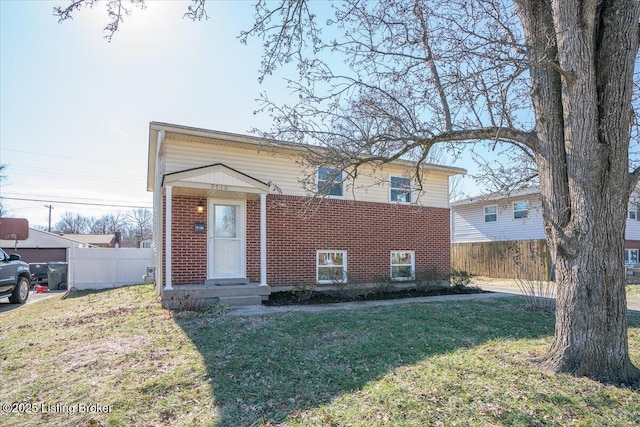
(440, 363)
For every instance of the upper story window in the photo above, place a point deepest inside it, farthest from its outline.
(330, 182)
(400, 189)
(521, 209)
(490, 213)
(632, 211)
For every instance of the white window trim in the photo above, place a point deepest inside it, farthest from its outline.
(342, 184)
(484, 211)
(344, 266)
(413, 266)
(635, 212)
(514, 210)
(411, 190)
(628, 251)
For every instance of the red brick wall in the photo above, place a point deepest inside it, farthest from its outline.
(632, 244)
(189, 250)
(367, 231)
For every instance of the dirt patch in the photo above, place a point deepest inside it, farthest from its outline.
(85, 356)
(329, 297)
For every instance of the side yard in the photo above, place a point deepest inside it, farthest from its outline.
(489, 283)
(117, 358)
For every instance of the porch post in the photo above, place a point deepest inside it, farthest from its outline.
(263, 239)
(168, 216)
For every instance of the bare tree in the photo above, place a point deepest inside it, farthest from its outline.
(547, 80)
(70, 223)
(140, 224)
(109, 224)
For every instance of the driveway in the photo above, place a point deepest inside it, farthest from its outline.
(632, 304)
(5, 305)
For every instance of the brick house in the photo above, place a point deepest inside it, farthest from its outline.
(233, 222)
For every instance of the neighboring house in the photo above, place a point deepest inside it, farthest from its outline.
(41, 247)
(515, 219)
(97, 240)
(232, 217)
(498, 218)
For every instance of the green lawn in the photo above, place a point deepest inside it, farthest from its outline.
(440, 363)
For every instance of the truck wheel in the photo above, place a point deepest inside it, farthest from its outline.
(21, 291)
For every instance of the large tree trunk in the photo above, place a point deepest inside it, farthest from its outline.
(581, 89)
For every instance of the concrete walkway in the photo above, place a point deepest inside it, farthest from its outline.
(632, 304)
(495, 292)
(315, 308)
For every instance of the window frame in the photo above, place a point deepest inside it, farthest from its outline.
(412, 264)
(338, 181)
(495, 214)
(318, 266)
(409, 188)
(526, 211)
(632, 208)
(627, 256)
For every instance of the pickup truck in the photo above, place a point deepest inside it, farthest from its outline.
(15, 278)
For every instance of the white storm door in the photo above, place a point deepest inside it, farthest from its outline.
(226, 235)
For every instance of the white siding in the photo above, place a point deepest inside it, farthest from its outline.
(633, 225)
(632, 230)
(285, 171)
(468, 223)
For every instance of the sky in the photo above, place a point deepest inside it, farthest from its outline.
(75, 109)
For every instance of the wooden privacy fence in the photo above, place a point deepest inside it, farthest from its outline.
(513, 259)
(101, 268)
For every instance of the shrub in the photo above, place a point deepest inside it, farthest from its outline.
(303, 291)
(460, 278)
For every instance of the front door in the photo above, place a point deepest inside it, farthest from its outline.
(226, 237)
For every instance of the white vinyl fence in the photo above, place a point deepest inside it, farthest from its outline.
(102, 268)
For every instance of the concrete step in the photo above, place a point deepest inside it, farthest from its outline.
(240, 301)
(226, 282)
(220, 291)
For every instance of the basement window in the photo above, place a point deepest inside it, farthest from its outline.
(331, 266)
(403, 265)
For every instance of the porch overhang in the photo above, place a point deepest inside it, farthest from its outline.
(215, 180)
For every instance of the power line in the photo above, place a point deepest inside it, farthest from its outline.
(75, 203)
(66, 157)
(9, 194)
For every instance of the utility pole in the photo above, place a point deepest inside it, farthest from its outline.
(49, 207)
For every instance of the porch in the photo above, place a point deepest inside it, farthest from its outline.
(214, 246)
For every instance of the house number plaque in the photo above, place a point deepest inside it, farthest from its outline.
(199, 227)
(219, 187)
